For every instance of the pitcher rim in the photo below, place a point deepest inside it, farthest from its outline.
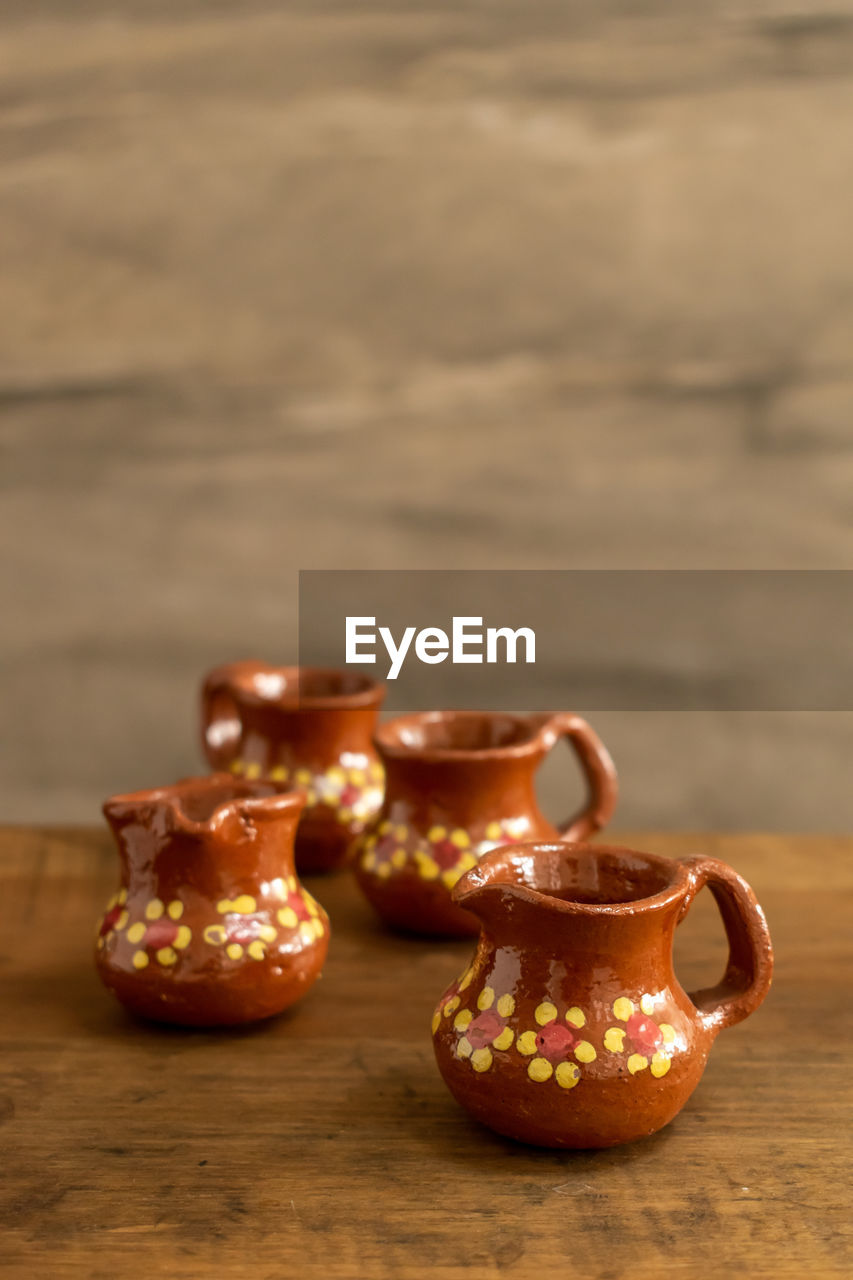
(393, 750)
(677, 872)
(169, 795)
(238, 675)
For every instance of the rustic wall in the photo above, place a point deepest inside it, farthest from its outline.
(474, 285)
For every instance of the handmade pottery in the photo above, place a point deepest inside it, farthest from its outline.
(210, 925)
(569, 1028)
(307, 728)
(459, 783)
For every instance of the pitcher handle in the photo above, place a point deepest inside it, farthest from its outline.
(746, 980)
(598, 768)
(221, 720)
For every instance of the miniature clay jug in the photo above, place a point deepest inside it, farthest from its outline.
(210, 926)
(459, 783)
(569, 1028)
(307, 728)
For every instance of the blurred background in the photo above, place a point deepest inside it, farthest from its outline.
(487, 285)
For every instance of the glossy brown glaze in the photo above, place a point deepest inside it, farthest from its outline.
(307, 728)
(569, 1028)
(210, 925)
(458, 784)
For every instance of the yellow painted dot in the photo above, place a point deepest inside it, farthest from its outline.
(465, 980)
(452, 1005)
(506, 1006)
(253, 770)
(622, 1008)
(318, 927)
(584, 1052)
(278, 773)
(292, 884)
(256, 949)
(267, 933)
(136, 932)
(288, 917)
(466, 862)
(306, 931)
(567, 1075)
(505, 1039)
(668, 1033)
(526, 1043)
(122, 895)
(464, 1047)
(614, 1039)
(463, 1020)
(647, 1005)
(576, 1017)
(166, 956)
(481, 1059)
(310, 903)
(140, 959)
(234, 951)
(358, 777)
(540, 1070)
(660, 1065)
(236, 766)
(545, 1012)
(245, 904)
(368, 860)
(494, 831)
(451, 877)
(460, 838)
(436, 833)
(384, 827)
(183, 937)
(223, 905)
(436, 1021)
(336, 775)
(303, 777)
(310, 796)
(154, 909)
(401, 833)
(398, 858)
(636, 1063)
(384, 870)
(428, 869)
(344, 815)
(121, 922)
(215, 935)
(175, 910)
(486, 998)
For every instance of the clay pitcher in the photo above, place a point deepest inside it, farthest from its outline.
(307, 728)
(459, 783)
(569, 1028)
(210, 925)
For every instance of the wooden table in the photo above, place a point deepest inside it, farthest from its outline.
(325, 1144)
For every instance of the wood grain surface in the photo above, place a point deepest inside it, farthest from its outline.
(324, 1143)
(480, 284)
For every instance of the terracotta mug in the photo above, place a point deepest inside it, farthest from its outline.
(210, 925)
(307, 728)
(569, 1028)
(459, 783)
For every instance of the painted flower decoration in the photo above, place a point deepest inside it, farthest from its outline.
(445, 853)
(557, 1041)
(301, 912)
(485, 1030)
(353, 790)
(242, 929)
(114, 919)
(651, 1042)
(159, 933)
